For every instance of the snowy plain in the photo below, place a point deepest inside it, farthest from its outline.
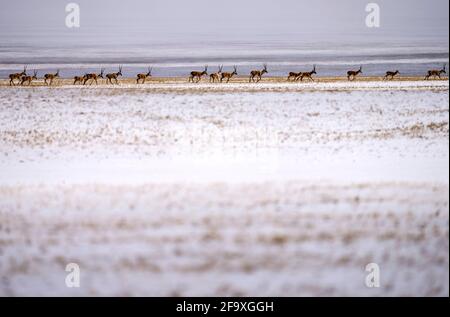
(274, 189)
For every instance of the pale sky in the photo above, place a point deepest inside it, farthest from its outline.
(181, 17)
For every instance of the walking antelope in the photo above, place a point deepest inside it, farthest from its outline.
(435, 73)
(257, 74)
(198, 75)
(92, 77)
(308, 74)
(48, 78)
(295, 76)
(111, 76)
(79, 79)
(390, 75)
(28, 78)
(143, 77)
(216, 76)
(228, 76)
(17, 76)
(351, 74)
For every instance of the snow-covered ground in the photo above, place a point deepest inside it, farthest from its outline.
(268, 189)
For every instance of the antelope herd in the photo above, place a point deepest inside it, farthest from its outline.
(28, 79)
(435, 73)
(198, 75)
(17, 76)
(228, 76)
(216, 76)
(257, 74)
(390, 75)
(48, 78)
(114, 76)
(195, 76)
(142, 77)
(90, 77)
(351, 74)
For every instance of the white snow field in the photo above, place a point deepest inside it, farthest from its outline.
(248, 190)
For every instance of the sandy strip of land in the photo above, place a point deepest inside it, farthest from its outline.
(280, 81)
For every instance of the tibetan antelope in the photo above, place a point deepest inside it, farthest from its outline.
(48, 78)
(198, 75)
(28, 79)
(17, 76)
(111, 76)
(216, 76)
(295, 76)
(351, 74)
(390, 75)
(92, 77)
(79, 79)
(257, 74)
(308, 74)
(143, 77)
(228, 76)
(435, 73)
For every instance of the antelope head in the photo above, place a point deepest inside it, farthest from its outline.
(264, 71)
